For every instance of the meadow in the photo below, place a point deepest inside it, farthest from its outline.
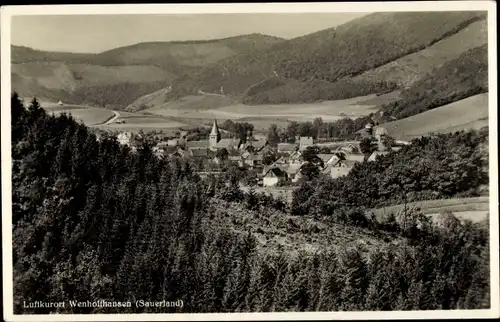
(474, 209)
(263, 115)
(89, 116)
(469, 113)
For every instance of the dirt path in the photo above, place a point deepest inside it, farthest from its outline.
(113, 119)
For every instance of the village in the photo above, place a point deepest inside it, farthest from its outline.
(278, 165)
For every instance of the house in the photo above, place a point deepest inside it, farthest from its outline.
(254, 145)
(179, 152)
(365, 132)
(287, 148)
(173, 142)
(273, 176)
(293, 171)
(356, 157)
(327, 158)
(305, 141)
(251, 159)
(158, 152)
(295, 157)
(340, 168)
(124, 138)
(60, 103)
(375, 154)
(349, 148)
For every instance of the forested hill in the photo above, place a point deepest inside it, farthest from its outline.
(117, 77)
(329, 55)
(457, 79)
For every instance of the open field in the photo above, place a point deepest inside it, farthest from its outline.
(158, 101)
(263, 115)
(134, 122)
(89, 116)
(380, 99)
(469, 113)
(474, 209)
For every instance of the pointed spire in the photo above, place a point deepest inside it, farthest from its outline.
(215, 129)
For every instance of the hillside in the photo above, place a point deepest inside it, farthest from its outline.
(162, 54)
(465, 114)
(126, 72)
(329, 55)
(459, 78)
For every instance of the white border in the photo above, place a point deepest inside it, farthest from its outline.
(9, 11)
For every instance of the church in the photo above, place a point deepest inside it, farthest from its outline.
(216, 142)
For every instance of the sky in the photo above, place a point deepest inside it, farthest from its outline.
(97, 33)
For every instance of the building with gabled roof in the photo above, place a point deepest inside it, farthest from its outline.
(356, 157)
(375, 154)
(273, 177)
(339, 168)
(305, 141)
(327, 158)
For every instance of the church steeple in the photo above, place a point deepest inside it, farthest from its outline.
(215, 129)
(214, 136)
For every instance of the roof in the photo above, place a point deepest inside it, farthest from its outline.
(354, 157)
(293, 169)
(215, 129)
(325, 157)
(296, 155)
(380, 131)
(173, 142)
(234, 157)
(257, 144)
(305, 140)
(197, 144)
(199, 152)
(255, 157)
(286, 147)
(277, 172)
(226, 143)
(375, 154)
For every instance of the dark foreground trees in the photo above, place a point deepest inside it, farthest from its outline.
(94, 221)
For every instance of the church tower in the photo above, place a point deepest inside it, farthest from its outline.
(214, 136)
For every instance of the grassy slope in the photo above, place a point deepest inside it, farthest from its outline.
(352, 48)
(469, 113)
(276, 230)
(158, 101)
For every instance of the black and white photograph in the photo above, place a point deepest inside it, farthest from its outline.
(249, 161)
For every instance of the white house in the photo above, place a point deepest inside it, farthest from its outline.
(124, 138)
(375, 154)
(272, 177)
